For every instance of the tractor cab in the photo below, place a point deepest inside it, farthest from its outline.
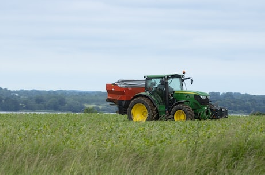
(163, 87)
(173, 82)
(159, 83)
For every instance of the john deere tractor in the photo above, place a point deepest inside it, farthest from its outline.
(162, 97)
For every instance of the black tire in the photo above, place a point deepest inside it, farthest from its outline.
(143, 109)
(182, 112)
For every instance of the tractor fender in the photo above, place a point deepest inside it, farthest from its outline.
(146, 95)
(177, 103)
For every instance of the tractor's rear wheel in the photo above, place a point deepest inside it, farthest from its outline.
(141, 109)
(182, 112)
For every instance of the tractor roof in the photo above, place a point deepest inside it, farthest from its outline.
(162, 76)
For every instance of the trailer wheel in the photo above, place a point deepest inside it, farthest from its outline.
(141, 109)
(182, 112)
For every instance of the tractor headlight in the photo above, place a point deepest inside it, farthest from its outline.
(203, 97)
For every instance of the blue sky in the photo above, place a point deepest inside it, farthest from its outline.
(82, 45)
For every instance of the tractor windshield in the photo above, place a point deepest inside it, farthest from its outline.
(175, 84)
(154, 83)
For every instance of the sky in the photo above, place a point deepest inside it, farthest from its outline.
(84, 44)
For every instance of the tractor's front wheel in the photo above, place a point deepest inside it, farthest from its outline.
(141, 109)
(182, 112)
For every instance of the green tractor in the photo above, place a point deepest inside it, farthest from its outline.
(162, 97)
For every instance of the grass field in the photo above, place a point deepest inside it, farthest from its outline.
(110, 144)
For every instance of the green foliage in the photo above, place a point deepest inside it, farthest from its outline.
(258, 113)
(110, 144)
(238, 103)
(64, 101)
(90, 110)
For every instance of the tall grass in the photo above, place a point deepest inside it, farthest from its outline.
(110, 144)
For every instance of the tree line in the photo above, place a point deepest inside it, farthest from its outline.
(61, 100)
(238, 103)
(95, 101)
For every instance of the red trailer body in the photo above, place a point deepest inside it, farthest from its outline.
(121, 93)
(117, 93)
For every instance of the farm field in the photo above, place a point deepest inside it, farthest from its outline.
(110, 144)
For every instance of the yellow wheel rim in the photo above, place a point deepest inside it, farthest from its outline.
(139, 112)
(180, 115)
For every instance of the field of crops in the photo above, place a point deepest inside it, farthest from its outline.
(110, 144)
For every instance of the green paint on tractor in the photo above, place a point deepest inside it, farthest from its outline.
(162, 96)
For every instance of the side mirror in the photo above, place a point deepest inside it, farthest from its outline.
(191, 81)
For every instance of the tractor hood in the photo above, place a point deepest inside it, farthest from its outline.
(192, 92)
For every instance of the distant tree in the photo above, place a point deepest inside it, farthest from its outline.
(228, 95)
(74, 106)
(9, 104)
(61, 100)
(52, 104)
(39, 99)
(258, 113)
(215, 95)
(1, 99)
(90, 110)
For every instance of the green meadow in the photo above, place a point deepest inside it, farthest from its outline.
(110, 144)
